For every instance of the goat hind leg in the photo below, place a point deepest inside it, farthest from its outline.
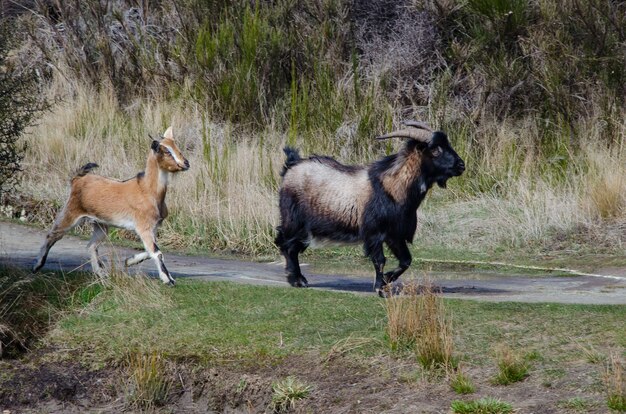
(294, 273)
(290, 250)
(100, 232)
(374, 249)
(62, 225)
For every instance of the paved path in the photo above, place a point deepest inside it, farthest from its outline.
(20, 244)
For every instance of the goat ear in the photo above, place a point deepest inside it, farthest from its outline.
(155, 145)
(168, 133)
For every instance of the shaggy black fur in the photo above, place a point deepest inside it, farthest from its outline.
(384, 221)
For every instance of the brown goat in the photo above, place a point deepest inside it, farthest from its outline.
(136, 204)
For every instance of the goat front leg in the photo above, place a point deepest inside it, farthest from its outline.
(374, 249)
(399, 249)
(138, 258)
(100, 232)
(149, 243)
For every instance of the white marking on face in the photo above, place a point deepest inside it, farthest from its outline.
(173, 154)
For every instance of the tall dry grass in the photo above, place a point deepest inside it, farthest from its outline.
(511, 195)
(417, 318)
(614, 377)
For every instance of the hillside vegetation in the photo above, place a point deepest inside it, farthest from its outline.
(531, 93)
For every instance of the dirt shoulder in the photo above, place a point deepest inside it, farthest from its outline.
(20, 244)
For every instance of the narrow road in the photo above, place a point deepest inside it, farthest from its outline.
(20, 244)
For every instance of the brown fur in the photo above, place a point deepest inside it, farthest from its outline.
(396, 180)
(136, 204)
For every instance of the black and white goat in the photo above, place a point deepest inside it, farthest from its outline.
(322, 199)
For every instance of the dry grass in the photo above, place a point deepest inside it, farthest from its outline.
(147, 385)
(132, 292)
(417, 318)
(511, 366)
(286, 393)
(615, 383)
(227, 200)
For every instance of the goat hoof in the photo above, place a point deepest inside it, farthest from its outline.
(170, 283)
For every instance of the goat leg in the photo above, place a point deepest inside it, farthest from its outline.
(402, 253)
(374, 249)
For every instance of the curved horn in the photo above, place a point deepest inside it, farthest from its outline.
(421, 135)
(418, 124)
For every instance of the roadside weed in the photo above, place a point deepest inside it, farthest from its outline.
(287, 392)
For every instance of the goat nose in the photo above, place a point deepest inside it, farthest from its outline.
(187, 164)
(461, 166)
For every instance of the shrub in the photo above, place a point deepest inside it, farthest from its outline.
(20, 103)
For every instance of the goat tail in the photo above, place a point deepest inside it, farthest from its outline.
(84, 170)
(293, 158)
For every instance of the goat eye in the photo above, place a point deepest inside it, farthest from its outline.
(437, 151)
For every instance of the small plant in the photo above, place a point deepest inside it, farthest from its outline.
(576, 404)
(511, 367)
(417, 317)
(461, 383)
(147, 384)
(482, 406)
(287, 392)
(591, 354)
(614, 382)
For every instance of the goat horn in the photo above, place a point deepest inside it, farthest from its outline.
(418, 124)
(421, 135)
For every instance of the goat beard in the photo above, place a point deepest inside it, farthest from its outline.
(442, 182)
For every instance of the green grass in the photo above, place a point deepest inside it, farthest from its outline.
(511, 367)
(482, 406)
(225, 321)
(30, 303)
(576, 404)
(461, 383)
(287, 392)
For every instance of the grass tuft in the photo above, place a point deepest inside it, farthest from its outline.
(148, 385)
(577, 404)
(461, 383)
(287, 392)
(482, 406)
(417, 318)
(511, 367)
(614, 382)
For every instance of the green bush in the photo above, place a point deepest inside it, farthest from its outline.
(20, 103)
